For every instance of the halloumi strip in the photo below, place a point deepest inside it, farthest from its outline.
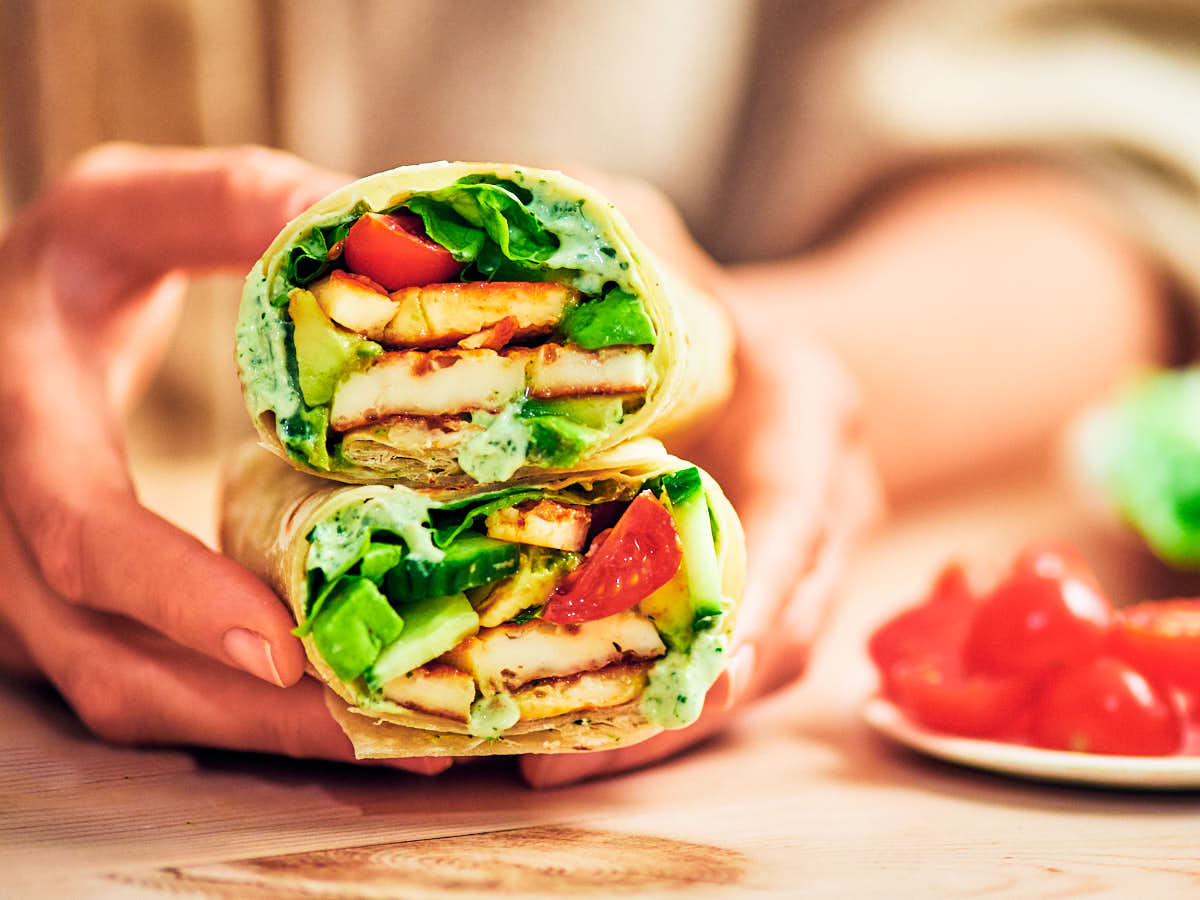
(436, 383)
(449, 382)
(509, 656)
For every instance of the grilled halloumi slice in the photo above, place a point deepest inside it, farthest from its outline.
(610, 686)
(440, 382)
(546, 523)
(439, 315)
(510, 656)
(566, 371)
(434, 688)
(448, 382)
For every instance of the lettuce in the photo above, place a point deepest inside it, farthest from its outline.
(488, 225)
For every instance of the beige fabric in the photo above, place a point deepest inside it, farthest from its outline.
(267, 511)
(762, 119)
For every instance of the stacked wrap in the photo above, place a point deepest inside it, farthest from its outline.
(690, 368)
(512, 519)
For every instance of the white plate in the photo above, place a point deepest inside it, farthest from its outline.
(1158, 773)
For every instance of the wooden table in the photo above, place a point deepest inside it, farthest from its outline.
(798, 797)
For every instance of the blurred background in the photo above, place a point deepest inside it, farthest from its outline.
(770, 124)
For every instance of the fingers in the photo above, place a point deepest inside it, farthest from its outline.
(554, 770)
(131, 685)
(91, 543)
(162, 208)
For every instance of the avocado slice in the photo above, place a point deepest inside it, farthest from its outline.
(538, 572)
(354, 625)
(592, 412)
(380, 559)
(431, 627)
(470, 560)
(323, 351)
(556, 441)
(618, 318)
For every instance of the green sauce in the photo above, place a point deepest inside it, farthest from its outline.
(499, 450)
(581, 246)
(677, 684)
(491, 716)
(337, 543)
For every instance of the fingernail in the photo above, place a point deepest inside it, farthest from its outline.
(252, 652)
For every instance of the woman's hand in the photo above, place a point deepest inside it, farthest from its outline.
(148, 634)
(788, 452)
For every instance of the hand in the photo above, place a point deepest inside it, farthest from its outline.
(148, 634)
(788, 453)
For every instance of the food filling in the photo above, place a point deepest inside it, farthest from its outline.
(523, 605)
(488, 300)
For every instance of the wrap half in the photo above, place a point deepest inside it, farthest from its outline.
(455, 323)
(577, 612)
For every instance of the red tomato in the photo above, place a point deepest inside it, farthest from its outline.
(938, 624)
(1047, 612)
(934, 691)
(636, 558)
(1105, 706)
(394, 251)
(1162, 640)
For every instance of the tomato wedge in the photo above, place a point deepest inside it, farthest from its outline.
(1047, 612)
(938, 624)
(1105, 706)
(392, 249)
(934, 691)
(1162, 640)
(639, 555)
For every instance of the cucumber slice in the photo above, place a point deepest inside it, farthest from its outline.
(354, 625)
(689, 508)
(471, 560)
(431, 627)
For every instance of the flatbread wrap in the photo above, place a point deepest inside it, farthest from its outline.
(563, 613)
(448, 324)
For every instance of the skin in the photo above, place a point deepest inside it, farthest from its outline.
(154, 638)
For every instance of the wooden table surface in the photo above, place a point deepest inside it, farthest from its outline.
(798, 797)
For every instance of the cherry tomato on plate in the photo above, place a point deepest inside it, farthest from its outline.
(1105, 706)
(639, 555)
(392, 249)
(934, 691)
(1162, 640)
(938, 625)
(1047, 612)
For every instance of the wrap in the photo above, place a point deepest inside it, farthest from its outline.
(502, 321)
(516, 634)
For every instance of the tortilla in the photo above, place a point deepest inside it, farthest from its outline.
(269, 512)
(689, 367)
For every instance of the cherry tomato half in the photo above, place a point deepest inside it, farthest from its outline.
(938, 624)
(1047, 612)
(934, 691)
(394, 251)
(1106, 706)
(639, 555)
(1162, 640)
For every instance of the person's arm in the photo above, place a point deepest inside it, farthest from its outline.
(148, 634)
(977, 308)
